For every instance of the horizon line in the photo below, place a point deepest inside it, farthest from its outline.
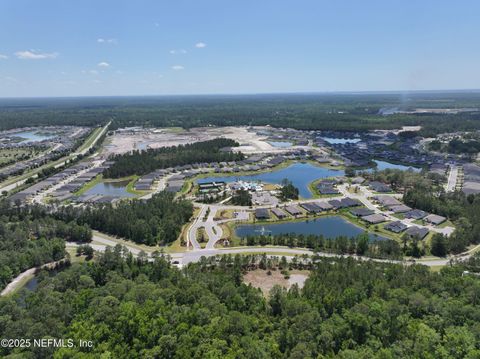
(361, 92)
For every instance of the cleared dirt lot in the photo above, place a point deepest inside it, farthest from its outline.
(128, 139)
(260, 279)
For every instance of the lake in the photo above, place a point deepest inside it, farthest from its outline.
(340, 141)
(383, 165)
(281, 144)
(329, 227)
(300, 174)
(115, 189)
(32, 136)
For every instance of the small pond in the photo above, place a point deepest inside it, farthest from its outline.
(383, 165)
(116, 189)
(33, 136)
(281, 144)
(329, 227)
(340, 141)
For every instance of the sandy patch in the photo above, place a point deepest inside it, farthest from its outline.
(260, 279)
(128, 139)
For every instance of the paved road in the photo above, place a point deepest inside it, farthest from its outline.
(183, 258)
(192, 231)
(452, 179)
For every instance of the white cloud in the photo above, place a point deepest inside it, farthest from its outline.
(35, 55)
(107, 41)
(177, 67)
(179, 51)
(200, 45)
(3, 57)
(103, 64)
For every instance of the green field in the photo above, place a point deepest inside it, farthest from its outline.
(11, 155)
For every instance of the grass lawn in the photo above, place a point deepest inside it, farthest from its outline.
(89, 185)
(312, 186)
(11, 155)
(130, 186)
(202, 237)
(73, 255)
(447, 223)
(436, 268)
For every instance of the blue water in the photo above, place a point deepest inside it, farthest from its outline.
(329, 227)
(336, 141)
(281, 144)
(300, 174)
(32, 136)
(117, 189)
(142, 145)
(383, 165)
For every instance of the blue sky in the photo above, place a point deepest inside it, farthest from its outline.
(146, 47)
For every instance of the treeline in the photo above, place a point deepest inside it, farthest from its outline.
(340, 112)
(29, 237)
(400, 180)
(359, 245)
(131, 308)
(457, 146)
(145, 161)
(157, 220)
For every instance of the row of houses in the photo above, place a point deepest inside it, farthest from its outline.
(26, 194)
(394, 205)
(371, 217)
(309, 207)
(471, 178)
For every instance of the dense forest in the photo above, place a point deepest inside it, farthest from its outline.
(145, 161)
(29, 237)
(343, 112)
(457, 146)
(157, 220)
(131, 308)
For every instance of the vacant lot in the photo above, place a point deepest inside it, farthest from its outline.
(260, 278)
(12, 155)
